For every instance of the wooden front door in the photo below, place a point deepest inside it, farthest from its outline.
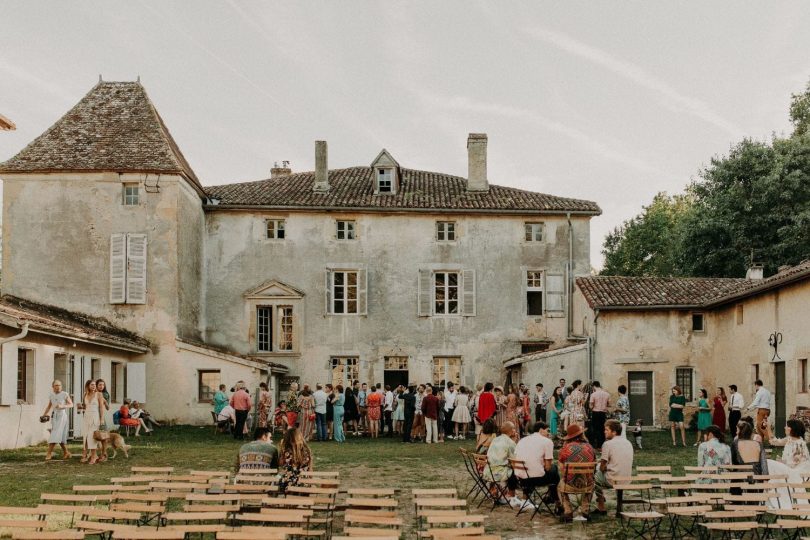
(640, 393)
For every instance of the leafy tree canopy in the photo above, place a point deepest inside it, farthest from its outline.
(750, 206)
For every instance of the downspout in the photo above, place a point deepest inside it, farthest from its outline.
(569, 278)
(22, 334)
(592, 342)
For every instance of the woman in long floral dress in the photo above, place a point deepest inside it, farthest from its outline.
(306, 406)
(500, 407)
(295, 458)
(264, 405)
(292, 404)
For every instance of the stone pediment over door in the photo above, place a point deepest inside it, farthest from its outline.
(273, 289)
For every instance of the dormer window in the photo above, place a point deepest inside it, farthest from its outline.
(386, 174)
(385, 180)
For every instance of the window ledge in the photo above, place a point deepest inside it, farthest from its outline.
(276, 354)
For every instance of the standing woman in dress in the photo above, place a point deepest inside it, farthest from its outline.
(264, 404)
(623, 409)
(101, 388)
(373, 401)
(93, 407)
(500, 403)
(398, 416)
(677, 401)
(719, 405)
(704, 419)
(306, 404)
(338, 400)
(461, 415)
(557, 404)
(60, 402)
(351, 413)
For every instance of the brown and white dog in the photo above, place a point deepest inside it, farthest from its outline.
(116, 442)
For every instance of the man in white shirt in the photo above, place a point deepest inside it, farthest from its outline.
(616, 460)
(320, 398)
(735, 406)
(449, 407)
(540, 403)
(537, 452)
(388, 409)
(762, 404)
(227, 414)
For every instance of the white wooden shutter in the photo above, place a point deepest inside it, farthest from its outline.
(136, 269)
(136, 381)
(118, 264)
(362, 292)
(555, 295)
(425, 293)
(330, 278)
(468, 292)
(31, 375)
(8, 372)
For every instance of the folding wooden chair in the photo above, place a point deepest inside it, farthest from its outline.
(641, 523)
(18, 517)
(264, 533)
(584, 483)
(142, 534)
(48, 535)
(468, 525)
(164, 471)
(533, 497)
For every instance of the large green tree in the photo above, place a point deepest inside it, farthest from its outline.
(752, 205)
(646, 245)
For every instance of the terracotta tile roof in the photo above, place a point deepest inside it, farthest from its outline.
(70, 324)
(115, 127)
(618, 292)
(607, 292)
(419, 190)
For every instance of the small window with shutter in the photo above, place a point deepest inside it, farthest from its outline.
(446, 293)
(25, 375)
(346, 292)
(128, 268)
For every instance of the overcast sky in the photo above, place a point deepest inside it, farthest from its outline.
(606, 101)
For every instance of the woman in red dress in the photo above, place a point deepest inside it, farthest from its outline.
(373, 403)
(486, 404)
(719, 406)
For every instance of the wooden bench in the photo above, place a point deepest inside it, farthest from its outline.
(48, 535)
(13, 513)
(148, 534)
(151, 470)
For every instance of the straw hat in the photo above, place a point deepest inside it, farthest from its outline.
(573, 431)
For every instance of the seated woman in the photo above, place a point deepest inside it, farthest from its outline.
(745, 451)
(487, 435)
(280, 418)
(713, 451)
(295, 457)
(136, 411)
(795, 461)
(125, 419)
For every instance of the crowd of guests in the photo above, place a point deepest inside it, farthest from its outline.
(94, 406)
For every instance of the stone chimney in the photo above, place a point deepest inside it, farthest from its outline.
(284, 170)
(321, 167)
(477, 162)
(755, 271)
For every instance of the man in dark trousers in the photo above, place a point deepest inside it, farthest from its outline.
(408, 399)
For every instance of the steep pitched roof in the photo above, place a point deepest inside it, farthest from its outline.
(353, 188)
(619, 292)
(70, 324)
(114, 127)
(606, 292)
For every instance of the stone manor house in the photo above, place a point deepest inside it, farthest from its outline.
(118, 263)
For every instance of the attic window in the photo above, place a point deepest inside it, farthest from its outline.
(385, 180)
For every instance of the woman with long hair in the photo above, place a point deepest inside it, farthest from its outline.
(677, 401)
(351, 412)
(719, 405)
(713, 451)
(500, 404)
(59, 401)
(338, 400)
(418, 429)
(461, 414)
(398, 414)
(704, 419)
(93, 407)
(306, 404)
(295, 457)
(373, 402)
(489, 430)
(264, 405)
(101, 388)
(557, 404)
(746, 451)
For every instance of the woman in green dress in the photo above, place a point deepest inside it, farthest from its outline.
(677, 401)
(704, 419)
(557, 405)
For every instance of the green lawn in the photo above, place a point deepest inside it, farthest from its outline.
(361, 462)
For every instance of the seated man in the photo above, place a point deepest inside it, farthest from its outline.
(226, 419)
(616, 460)
(537, 452)
(259, 454)
(499, 472)
(576, 450)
